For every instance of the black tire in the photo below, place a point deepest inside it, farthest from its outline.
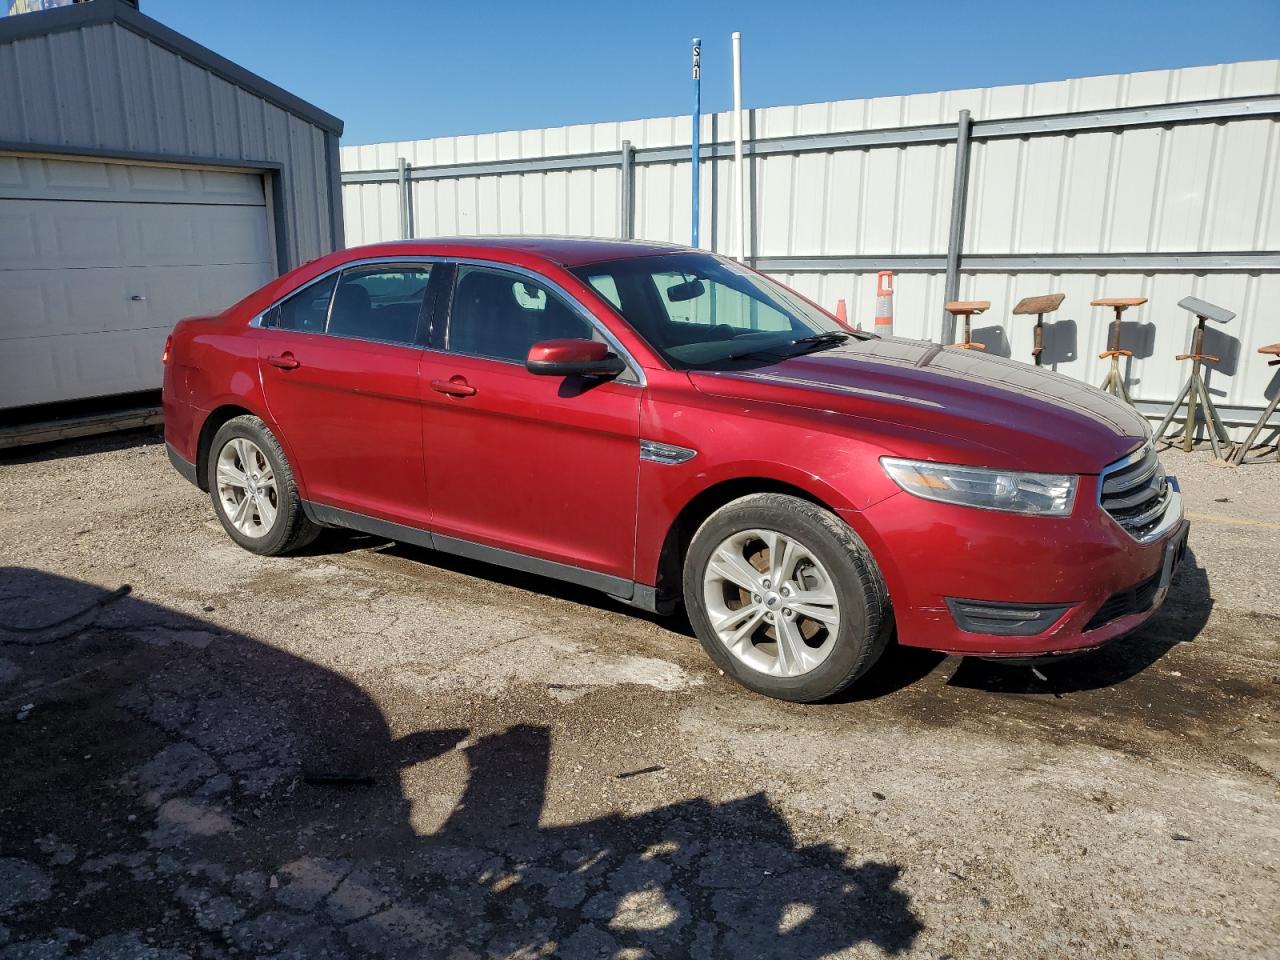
(291, 529)
(865, 613)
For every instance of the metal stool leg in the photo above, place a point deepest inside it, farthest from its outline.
(1242, 450)
(1193, 399)
(1173, 409)
(1215, 418)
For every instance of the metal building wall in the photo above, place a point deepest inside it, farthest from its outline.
(109, 89)
(1186, 187)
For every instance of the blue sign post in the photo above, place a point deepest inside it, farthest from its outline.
(697, 125)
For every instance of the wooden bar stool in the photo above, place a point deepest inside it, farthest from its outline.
(1194, 390)
(967, 309)
(1114, 383)
(1039, 306)
(1238, 454)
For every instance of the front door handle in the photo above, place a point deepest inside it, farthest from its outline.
(285, 361)
(455, 387)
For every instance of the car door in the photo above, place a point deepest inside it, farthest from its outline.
(544, 466)
(339, 365)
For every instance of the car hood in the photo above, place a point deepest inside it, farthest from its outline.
(933, 403)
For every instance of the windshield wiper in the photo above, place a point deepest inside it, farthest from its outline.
(783, 350)
(820, 341)
(823, 339)
(776, 351)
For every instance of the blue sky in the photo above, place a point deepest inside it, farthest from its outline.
(400, 69)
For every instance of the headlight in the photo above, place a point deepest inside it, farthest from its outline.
(1044, 494)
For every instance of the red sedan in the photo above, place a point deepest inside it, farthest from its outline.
(668, 426)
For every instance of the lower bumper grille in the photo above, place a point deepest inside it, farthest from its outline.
(1126, 603)
(1005, 619)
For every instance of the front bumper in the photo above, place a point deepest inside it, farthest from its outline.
(1096, 581)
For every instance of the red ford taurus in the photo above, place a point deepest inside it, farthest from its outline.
(668, 426)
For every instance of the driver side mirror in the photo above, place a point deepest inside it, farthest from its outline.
(564, 358)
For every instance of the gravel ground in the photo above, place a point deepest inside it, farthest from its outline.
(370, 750)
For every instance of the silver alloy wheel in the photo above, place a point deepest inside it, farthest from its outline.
(247, 487)
(771, 602)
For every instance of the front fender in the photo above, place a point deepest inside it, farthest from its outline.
(742, 443)
(666, 490)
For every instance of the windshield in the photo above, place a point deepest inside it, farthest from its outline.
(700, 311)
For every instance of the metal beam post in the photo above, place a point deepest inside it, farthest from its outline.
(402, 185)
(955, 236)
(627, 193)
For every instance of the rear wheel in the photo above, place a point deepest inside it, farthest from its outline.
(253, 490)
(785, 597)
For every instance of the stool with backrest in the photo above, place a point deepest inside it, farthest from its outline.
(1039, 306)
(1194, 390)
(1114, 383)
(967, 309)
(1238, 454)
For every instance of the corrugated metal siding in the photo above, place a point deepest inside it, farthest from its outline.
(1185, 188)
(108, 88)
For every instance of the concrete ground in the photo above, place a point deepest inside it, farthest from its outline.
(370, 750)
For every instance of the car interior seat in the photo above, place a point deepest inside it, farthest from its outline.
(351, 312)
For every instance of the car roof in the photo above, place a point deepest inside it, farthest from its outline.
(565, 251)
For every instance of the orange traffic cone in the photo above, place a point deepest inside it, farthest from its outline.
(884, 303)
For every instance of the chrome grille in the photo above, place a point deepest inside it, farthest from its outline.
(1135, 492)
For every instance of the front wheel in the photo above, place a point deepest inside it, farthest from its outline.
(786, 598)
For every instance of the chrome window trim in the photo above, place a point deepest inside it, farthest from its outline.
(573, 303)
(371, 261)
(1172, 500)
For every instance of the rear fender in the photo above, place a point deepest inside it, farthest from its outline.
(229, 362)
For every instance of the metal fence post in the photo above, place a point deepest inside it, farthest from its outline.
(955, 236)
(406, 204)
(627, 193)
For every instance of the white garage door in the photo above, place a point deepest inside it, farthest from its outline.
(99, 260)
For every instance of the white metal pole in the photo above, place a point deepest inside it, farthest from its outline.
(739, 172)
(697, 133)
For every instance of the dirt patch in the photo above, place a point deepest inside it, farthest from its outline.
(372, 750)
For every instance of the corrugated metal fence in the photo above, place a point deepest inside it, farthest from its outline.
(1157, 184)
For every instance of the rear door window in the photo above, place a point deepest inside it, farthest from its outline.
(305, 311)
(380, 302)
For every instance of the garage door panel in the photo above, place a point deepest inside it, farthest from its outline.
(71, 238)
(32, 178)
(44, 303)
(81, 180)
(78, 235)
(18, 242)
(50, 369)
(99, 260)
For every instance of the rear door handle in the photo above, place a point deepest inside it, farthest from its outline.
(456, 387)
(285, 361)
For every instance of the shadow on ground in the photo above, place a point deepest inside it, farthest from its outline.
(175, 790)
